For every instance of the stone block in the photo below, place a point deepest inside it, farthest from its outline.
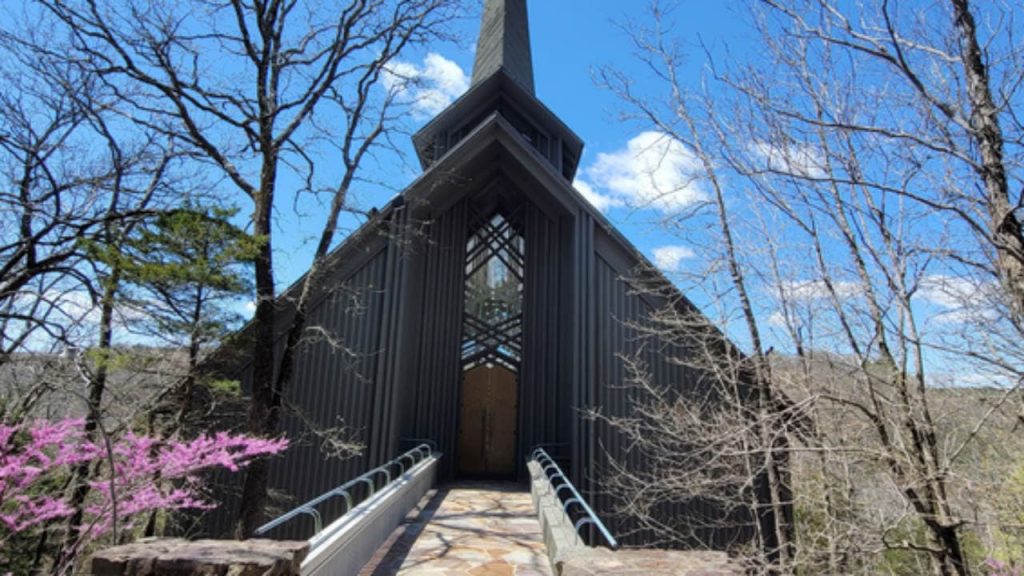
(648, 562)
(176, 557)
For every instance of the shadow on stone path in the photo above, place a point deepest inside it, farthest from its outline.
(475, 529)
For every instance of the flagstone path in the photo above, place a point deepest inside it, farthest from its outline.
(466, 529)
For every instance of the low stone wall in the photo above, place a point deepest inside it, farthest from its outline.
(570, 556)
(174, 557)
(560, 538)
(341, 548)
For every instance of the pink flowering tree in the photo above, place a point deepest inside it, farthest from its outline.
(137, 474)
(993, 567)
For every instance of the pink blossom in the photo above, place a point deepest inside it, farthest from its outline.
(994, 567)
(145, 473)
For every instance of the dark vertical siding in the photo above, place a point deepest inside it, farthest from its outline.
(333, 385)
(582, 355)
(543, 409)
(617, 307)
(614, 308)
(385, 412)
(413, 303)
(435, 398)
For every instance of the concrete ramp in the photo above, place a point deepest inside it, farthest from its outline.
(466, 529)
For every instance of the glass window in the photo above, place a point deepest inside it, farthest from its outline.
(492, 321)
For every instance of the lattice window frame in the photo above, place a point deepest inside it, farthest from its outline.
(497, 340)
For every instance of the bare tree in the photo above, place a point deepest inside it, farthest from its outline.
(869, 230)
(250, 88)
(74, 175)
(67, 177)
(957, 86)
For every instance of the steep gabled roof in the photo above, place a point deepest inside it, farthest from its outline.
(487, 132)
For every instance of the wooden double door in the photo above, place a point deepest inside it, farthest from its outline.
(487, 422)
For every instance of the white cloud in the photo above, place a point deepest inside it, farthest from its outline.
(600, 201)
(807, 290)
(670, 258)
(947, 291)
(70, 313)
(777, 319)
(966, 379)
(430, 87)
(959, 299)
(952, 298)
(654, 170)
(799, 160)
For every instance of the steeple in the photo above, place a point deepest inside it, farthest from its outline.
(502, 88)
(504, 43)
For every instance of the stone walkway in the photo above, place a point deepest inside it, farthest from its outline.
(475, 529)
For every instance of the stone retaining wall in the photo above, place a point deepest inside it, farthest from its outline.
(570, 556)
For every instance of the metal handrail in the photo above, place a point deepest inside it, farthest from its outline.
(416, 455)
(427, 441)
(547, 463)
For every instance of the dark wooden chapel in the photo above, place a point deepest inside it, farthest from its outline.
(485, 308)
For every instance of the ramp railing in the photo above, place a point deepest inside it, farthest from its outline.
(574, 505)
(371, 480)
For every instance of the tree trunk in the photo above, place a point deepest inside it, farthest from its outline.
(255, 488)
(988, 135)
(80, 474)
(265, 408)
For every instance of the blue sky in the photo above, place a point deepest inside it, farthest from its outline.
(639, 178)
(570, 39)
(625, 165)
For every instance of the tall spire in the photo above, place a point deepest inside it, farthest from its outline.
(504, 43)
